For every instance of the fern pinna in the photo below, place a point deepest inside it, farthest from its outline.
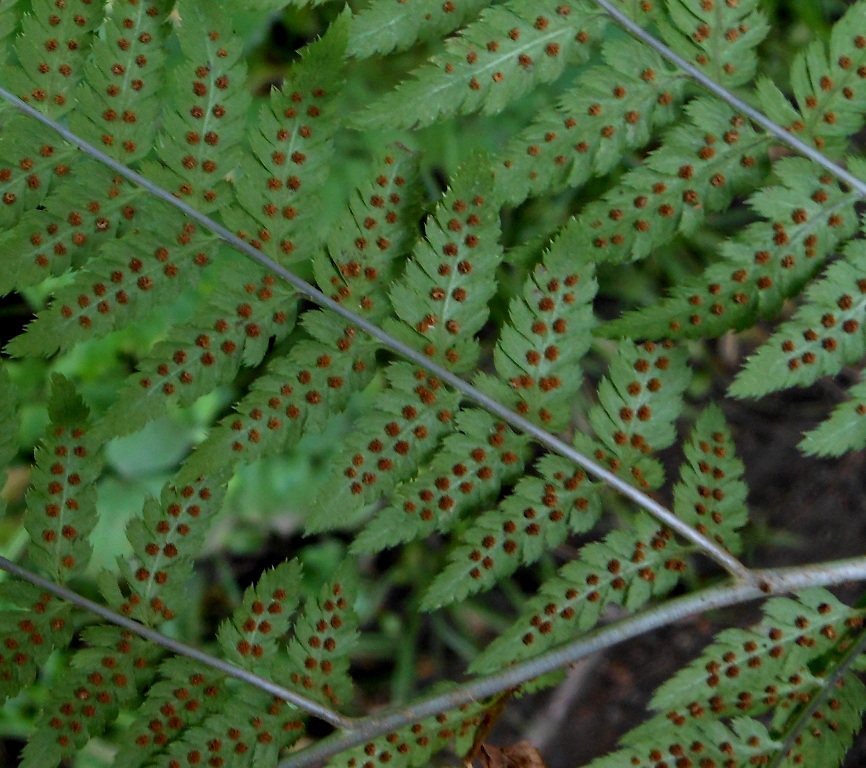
(480, 401)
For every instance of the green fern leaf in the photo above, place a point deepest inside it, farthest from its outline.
(414, 745)
(844, 431)
(296, 396)
(32, 162)
(165, 540)
(387, 445)
(105, 677)
(119, 108)
(534, 519)
(8, 26)
(278, 185)
(129, 278)
(720, 38)
(711, 494)
(32, 624)
(378, 227)
(249, 638)
(382, 28)
(467, 471)
(809, 215)
(81, 214)
(697, 170)
(627, 568)
(234, 329)
(443, 296)
(828, 89)
(8, 414)
(610, 110)
(318, 654)
(509, 50)
(831, 729)
(61, 504)
(51, 50)
(744, 742)
(199, 143)
(549, 331)
(825, 334)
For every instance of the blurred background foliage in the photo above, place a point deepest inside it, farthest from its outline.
(260, 524)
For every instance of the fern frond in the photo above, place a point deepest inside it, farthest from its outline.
(165, 540)
(697, 170)
(126, 281)
(382, 28)
(52, 49)
(720, 38)
(378, 226)
(844, 431)
(467, 471)
(105, 676)
(711, 494)
(534, 519)
(509, 50)
(443, 295)
(32, 624)
(627, 568)
(809, 216)
(827, 88)
(278, 184)
(81, 214)
(199, 142)
(414, 745)
(549, 331)
(61, 503)
(825, 334)
(317, 657)
(386, 445)
(233, 330)
(610, 110)
(8, 27)
(32, 162)
(119, 106)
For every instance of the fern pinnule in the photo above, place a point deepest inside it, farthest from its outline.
(68, 227)
(509, 50)
(61, 502)
(843, 431)
(277, 190)
(362, 258)
(809, 216)
(536, 517)
(826, 334)
(118, 105)
(610, 110)
(697, 170)
(538, 354)
(828, 91)
(467, 471)
(48, 71)
(8, 27)
(380, 28)
(413, 745)
(720, 38)
(199, 142)
(443, 295)
(28, 176)
(711, 494)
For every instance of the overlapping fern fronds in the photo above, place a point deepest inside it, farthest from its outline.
(516, 409)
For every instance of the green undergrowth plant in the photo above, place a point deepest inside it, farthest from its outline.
(470, 187)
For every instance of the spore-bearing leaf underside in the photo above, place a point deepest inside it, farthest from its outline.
(573, 160)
